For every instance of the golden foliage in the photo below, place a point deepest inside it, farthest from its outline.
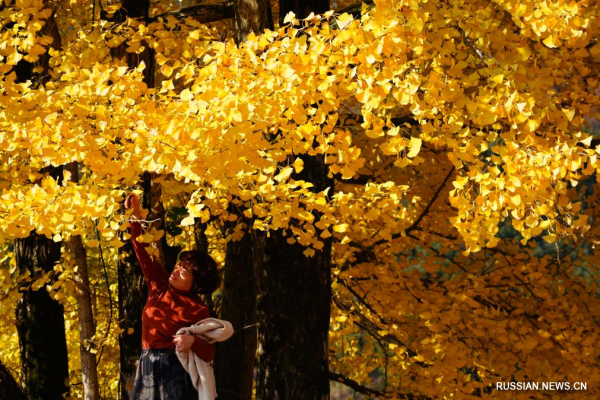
(491, 98)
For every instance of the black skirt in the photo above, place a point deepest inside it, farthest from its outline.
(160, 376)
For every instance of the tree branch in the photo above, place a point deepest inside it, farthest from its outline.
(352, 384)
(428, 206)
(447, 237)
(365, 250)
(372, 329)
(9, 387)
(357, 387)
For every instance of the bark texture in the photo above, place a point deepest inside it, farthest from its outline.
(251, 16)
(9, 387)
(234, 363)
(293, 308)
(40, 320)
(87, 329)
(293, 293)
(301, 8)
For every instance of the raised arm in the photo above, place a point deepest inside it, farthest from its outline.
(154, 273)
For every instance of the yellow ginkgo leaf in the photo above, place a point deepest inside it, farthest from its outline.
(415, 147)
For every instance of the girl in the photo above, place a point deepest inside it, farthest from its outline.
(173, 303)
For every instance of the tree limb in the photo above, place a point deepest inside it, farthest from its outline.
(372, 329)
(428, 206)
(365, 250)
(352, 384)
(9, 387)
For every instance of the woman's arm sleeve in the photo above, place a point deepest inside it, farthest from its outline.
(201, 347)
(205, 350)
(154, 273)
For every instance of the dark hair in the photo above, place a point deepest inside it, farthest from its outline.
(204, 270)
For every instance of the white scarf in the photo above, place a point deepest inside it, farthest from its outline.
(203, 378)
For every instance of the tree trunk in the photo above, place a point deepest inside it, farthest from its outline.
(251, 16)
(301, 8)
(9, 388)
(41, 329)
(84, 307)
(234, 363)
(40, 321)
(293, 309)
(238, 305)
(294, 293)
(39, 318)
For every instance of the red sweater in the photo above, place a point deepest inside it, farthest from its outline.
(167, 309)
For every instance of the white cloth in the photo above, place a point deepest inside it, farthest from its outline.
(212, 330)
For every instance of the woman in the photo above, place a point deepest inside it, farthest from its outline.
(173, 303)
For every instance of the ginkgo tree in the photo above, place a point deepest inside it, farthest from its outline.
(466, 122)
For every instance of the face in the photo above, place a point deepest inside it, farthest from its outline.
(181, 278)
